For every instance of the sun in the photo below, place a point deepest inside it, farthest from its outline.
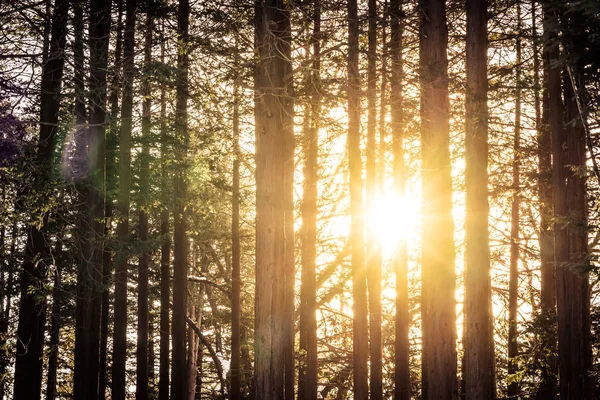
(394, 218)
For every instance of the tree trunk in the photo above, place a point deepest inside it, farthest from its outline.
(274, 128)
(165, 250)
(55, 326)
(32, 310)
(119, 384)
(549, 373)
(180, 267)
(402, 384)
(111, 176)
(359, 287)
(307, 379)
(573, 289)
(438, 271)
(89, 282)
(141, 387)
(479, 354)
(513, 285)
(5, 311)
(236, 279)
(372, 242)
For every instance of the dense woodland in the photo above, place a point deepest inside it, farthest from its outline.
(281, 199)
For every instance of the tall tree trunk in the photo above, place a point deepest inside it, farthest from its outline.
(372, 242)
(513, 285)
(119, 383)
(89, 280)
(55, 326)
(236, 278)
(141, 387)
(5, 311)
(307, 380)
(402, 384)
(573, 289)
(32, 310)
(111, 176)
(549, 373)
(165, 250)
(274, 127)
(479, 354)
(178, 387)
(438, 271)
(360, 336)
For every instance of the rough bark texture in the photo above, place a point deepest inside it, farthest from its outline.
(438, 271)
(87, 340)
(273, 82)
(141, 387)
(32, 310)
(307, 379)
(549, 373)
(372, 242)
(165, 249)
(360, 336)
(180, 267)
(513, 284)
(119, 383)
(402, 386)
(479, 354)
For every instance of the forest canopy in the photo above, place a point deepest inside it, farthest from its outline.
(299, 199)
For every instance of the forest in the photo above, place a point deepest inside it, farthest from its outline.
(299, 199)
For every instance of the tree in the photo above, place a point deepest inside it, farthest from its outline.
(402, 387)
(479, 355)
(273, 81)
(89, 279)
(180, 267)
(359, 287)
(32, 310)
(307, 379)
(438, 275)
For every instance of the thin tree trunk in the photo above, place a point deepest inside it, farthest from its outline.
(372, 243)
(178, 387)
(165, 250)
(5, 310)
(547, 389)
(402, 384)
(359, 285)
(438, 270)
(513, 286)
(32, 310)
(479, 354)
(111, 174)
(55, 326)
(141, 387)
(87, 337)
(236, 279)
(307, 380)
(119, 383)
(274, 149)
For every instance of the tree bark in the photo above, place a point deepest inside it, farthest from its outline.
(307, 379)
(32, 310)
(89, 281)
(165, 250)
(180, 267)
(402, 383)
(438, 270)
(479, 354)
(236, 278)
(119, 383)
(513, 286)
(360, 335)
(273, 128)
(141, 387)
(55, 326)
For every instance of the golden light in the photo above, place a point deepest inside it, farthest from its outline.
(394, 218)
